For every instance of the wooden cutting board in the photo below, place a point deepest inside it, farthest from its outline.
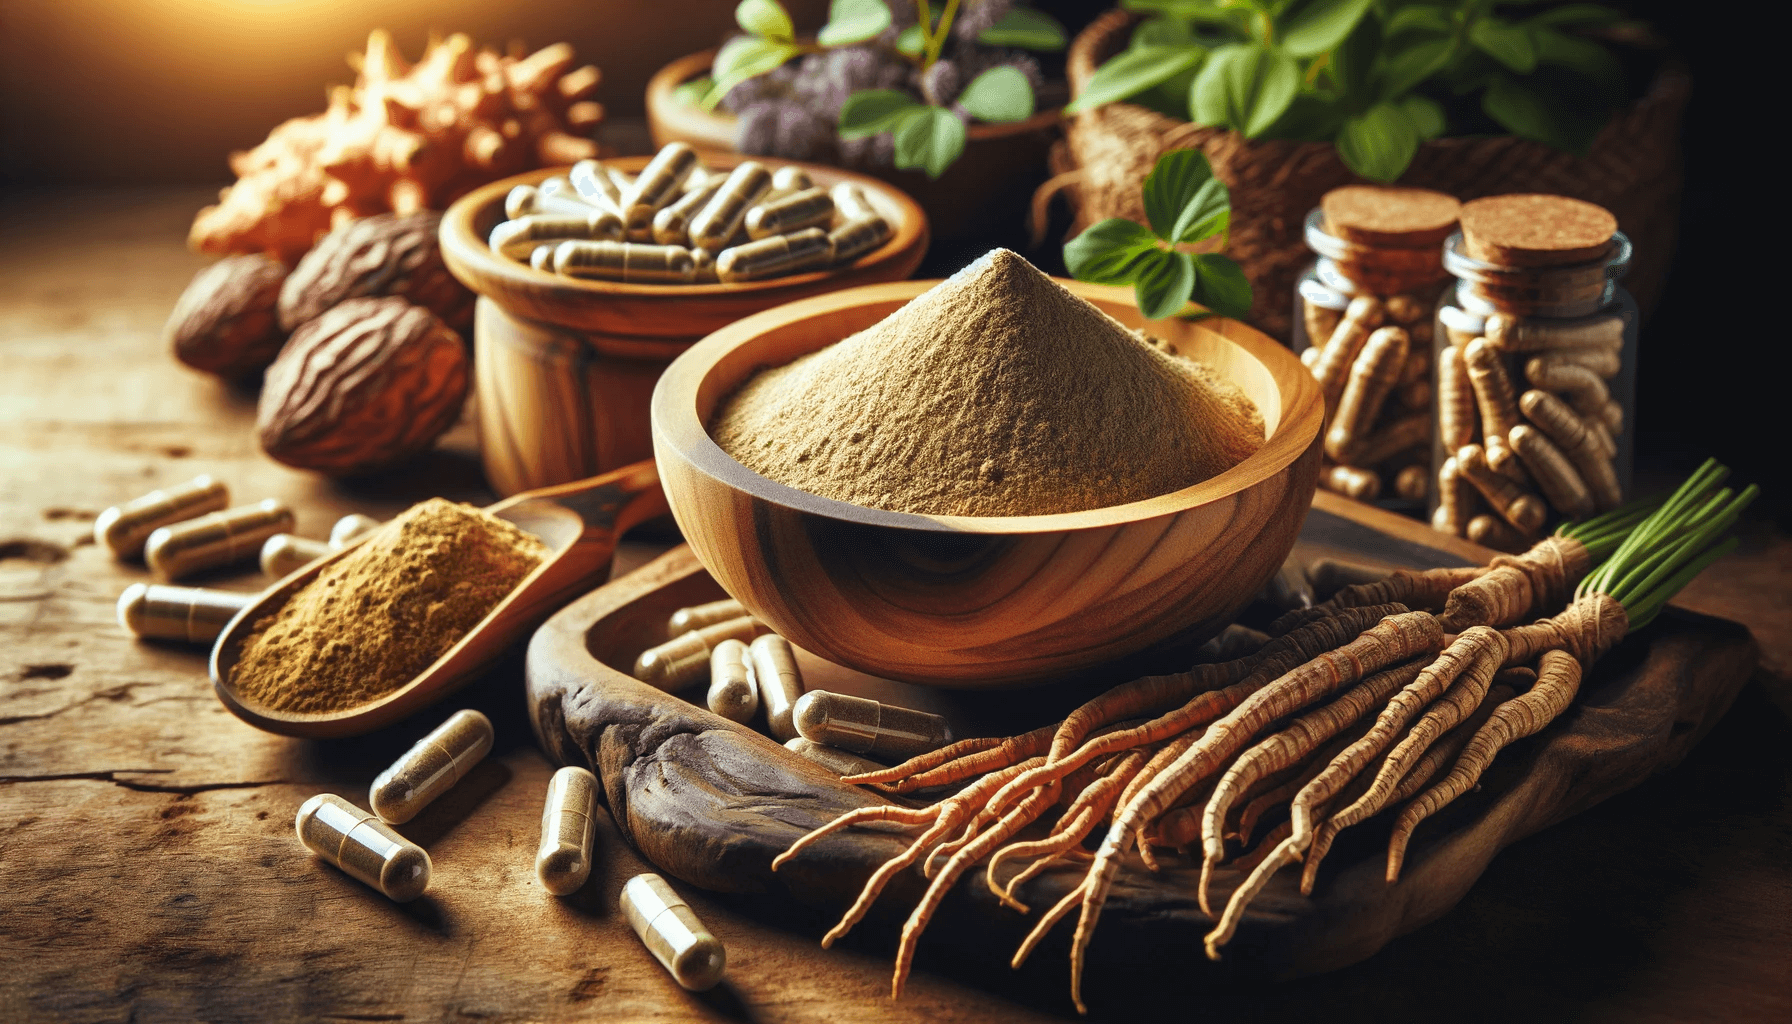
(712, 802)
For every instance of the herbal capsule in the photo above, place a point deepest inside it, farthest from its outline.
(697, 616)
(431, 767)
(363, 847)
(122, 529)
(216, 539)
(780, 684)
(683, 660)
(352, 527)
(625, 261)
(722, 216)
(659, 184)
(192, 614)
(706, 266)
(524, 200)
(592, 181)
(787, 180)
(283, 552)
(671, 226)
(519, 239)
(832, 758)
(857, 237)
(806, 209)
(868, 727)
(568, 829)
(542, 258)
(850, 201)
(732, 692)
(672, 933)
(779, 254)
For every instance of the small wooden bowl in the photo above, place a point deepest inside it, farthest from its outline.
(564, 368)
(984, 602)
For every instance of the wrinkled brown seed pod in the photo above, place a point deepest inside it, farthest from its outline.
(390, 254)
(369, 383)
(226, 321)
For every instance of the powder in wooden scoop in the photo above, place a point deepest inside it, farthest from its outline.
(995, 393)
(379, 615)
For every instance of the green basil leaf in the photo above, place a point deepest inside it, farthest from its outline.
(1207, 12)
(1107, 252)
(1427, 18)
(1426, 115)
(1221, 286)
(764, 18)
(1251, 83)
(1380, 144)
(998, 95)
(1173, 184)
(874, 111)
(929, 139)
(1161, 32)
(1310, 118)
(1575, 14)
(1164, 282)
(742, 58)
(1320, 25)
(1412, 64)
(909, 42)
(1027, 29)
(693, 91)
(1505, 42)
(1134, 71)
(853, 21)
(1549, 106)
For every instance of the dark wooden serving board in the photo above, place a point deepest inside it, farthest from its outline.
(712, 802)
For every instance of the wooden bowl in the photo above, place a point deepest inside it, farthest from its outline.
(564, 368)
(972, 601)
(985, 190)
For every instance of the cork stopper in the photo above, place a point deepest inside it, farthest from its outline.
(1527, 230)
(1389, 215)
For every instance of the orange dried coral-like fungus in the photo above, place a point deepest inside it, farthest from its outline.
(403, 138)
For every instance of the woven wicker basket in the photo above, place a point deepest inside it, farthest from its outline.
(1633, 169)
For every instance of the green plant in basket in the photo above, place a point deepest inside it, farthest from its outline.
(1185, 205)
(880, 83)
(1375, 77)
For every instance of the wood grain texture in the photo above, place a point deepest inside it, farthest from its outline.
(965, 202)
(712, 802)
(580, 523)
(984, 601)
(564, 368)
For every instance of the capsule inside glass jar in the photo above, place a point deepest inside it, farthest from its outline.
(732, 692)
(625, 261)
(672, 933)
(780, 683)
(363, 847)
(216, 539)
(123, 529)
(568, 831)
(431, 767)
(779, 254)
(191, 614)
(807, 209)
(867, 726)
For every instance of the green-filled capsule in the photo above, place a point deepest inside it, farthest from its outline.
(712, 227)
(809, 208)
(774, 256)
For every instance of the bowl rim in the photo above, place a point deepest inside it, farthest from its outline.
(470, 258)
(675, 422)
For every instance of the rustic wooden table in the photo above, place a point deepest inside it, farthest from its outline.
(148, 869)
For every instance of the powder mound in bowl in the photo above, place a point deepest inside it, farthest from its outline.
(995, 393)
(379, 615)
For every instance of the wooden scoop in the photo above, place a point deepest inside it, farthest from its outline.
(579, 522)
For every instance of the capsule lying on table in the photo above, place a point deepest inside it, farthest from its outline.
(284, 552)
(123, 529)
(431, 767)
(189, 614)
(352, 527)
(364, 847)
(672, 933)
(868, 727)
(219, 538)
(568, 830)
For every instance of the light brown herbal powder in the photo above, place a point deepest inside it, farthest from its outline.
(382, 613)
(995, 393)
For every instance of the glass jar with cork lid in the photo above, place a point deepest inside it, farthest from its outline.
(1363, 325)
(1535, 357)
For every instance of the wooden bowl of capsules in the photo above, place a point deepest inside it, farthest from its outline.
(565, 363)
(997, 479)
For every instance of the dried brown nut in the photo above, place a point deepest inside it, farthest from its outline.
(225, 321)
(390, 254)
(370, 382)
